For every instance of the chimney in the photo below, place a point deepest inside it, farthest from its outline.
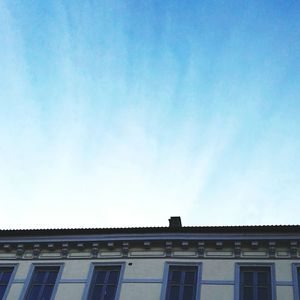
(175, 222)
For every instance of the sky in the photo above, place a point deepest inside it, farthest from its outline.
(124, 113)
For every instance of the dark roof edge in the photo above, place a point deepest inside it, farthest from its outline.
(267, 229)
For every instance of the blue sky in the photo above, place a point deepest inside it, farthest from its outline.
(123, 113)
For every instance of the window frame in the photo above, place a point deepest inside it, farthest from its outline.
(28, 281)
(237, 278)
(93, 266)
(169, 264)
(296, 283)
(12, 277)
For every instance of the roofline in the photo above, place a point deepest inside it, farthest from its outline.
(254, 229)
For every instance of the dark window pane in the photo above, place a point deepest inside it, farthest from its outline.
(5, 277)
(5, 270)
(190, 277)
(104, 283)
(255, 283)
(100, 276)
(188, 293)
(248, 293)
(34, 293)
(2, 290)
(247, 278)
(262, 294)
(175, 276)
(182, 283)
(174, 293)
(262, 278)
(42, 283)
(298, 271)
(96, 292)
(113, 277)
(39, 276)
(110, 292)
(52, 277)
(47, 292)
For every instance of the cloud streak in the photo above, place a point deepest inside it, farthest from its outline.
(122, 114)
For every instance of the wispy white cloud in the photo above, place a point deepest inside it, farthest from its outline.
(106, 120)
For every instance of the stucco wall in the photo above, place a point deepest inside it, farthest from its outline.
(143, 278)
(70, 291)
(141, 291)
(216, 292)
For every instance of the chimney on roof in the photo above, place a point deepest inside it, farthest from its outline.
(175, 222)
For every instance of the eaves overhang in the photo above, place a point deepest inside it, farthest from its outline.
(274, 232)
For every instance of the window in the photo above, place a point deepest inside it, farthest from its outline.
(296, 280)
(255, 283)
(104, 283)
(182, 282)
(5, 275)
(42, 283)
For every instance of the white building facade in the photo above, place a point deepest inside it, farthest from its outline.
(153, 263)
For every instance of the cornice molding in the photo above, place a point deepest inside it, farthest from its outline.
(201, 249)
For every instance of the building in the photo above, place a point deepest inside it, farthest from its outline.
(151, 263)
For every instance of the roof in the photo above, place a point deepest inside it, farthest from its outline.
(254, 229)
